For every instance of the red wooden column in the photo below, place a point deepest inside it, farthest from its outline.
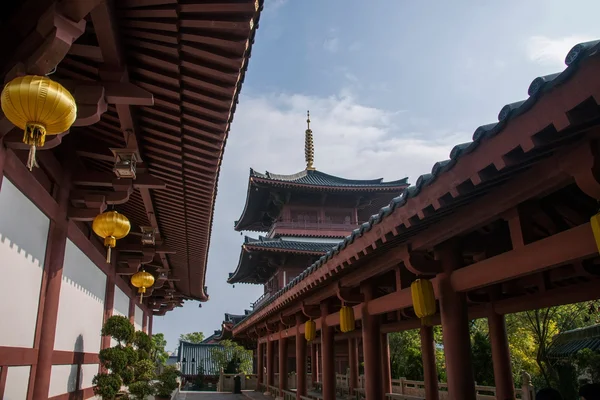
(109, 301)
(455, 324)
(150, 320)
(353, 364)
(270, 364)
(283, 353)
(300, 359)
(386, 373)
(314, 364)
(145, 323)
(131, 312)
(371, 347)
(327, 354)
(259, 364)
(505, 387)
(50, 295)
(429, 367)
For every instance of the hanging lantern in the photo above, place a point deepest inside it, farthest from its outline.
(142, 280)
(423, 299)
(40, 107)
(310, 330)
(347, 319)
(595, 222)
(111, 226)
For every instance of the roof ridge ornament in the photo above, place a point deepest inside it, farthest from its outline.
(309, 148)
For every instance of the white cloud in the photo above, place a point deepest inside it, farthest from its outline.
(546, 50)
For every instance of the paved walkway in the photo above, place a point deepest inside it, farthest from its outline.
(252, 395)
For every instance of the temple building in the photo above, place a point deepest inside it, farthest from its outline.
(508, 223)
(113, 123)
(304, 215)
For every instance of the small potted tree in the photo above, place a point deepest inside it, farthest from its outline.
(167, 383)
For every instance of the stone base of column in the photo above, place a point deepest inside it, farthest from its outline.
(278, 398)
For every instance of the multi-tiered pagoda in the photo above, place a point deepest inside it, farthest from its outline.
(304, 215)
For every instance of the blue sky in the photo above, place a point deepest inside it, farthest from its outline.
(392, 86)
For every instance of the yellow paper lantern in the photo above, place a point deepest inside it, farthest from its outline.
(423, 299)
(142, 280)
(111, 226)
(310, 330)
(40, 107)
(595, 223)
(347, 323)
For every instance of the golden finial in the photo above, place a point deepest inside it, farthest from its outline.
(309, 148)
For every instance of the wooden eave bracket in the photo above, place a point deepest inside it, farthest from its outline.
(420, 262)
(108, 179)
(584, 165)
(311, 312)
(346, 296)
(285, 321)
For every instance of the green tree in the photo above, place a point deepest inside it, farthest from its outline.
(193, 337)
(232, 357)
(159, 354)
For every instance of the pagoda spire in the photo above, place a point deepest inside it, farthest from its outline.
(309, 148)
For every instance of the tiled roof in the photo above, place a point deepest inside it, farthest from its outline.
(245, 271)
(570, 342)
(318, 178)
(279, 244)
(538, 87)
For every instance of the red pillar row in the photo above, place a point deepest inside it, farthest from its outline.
(50, 294)
(300, 359)
(505, 387)
(353, 364)
(429, 367)
(371, 347)
(283, 353)
(455, 320)
(259, 363)
(270, 363)
(327, 354)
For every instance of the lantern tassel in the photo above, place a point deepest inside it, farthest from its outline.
(108, 251)
(34, 136)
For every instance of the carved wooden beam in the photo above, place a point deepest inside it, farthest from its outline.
(346, 295)
(84, 214)
(287, 322)
(311, 312)
(160, 248)
(584, 165)
(420, 262)
(107, 179)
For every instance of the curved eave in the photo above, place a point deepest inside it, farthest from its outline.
(258, 189)
(238, 275)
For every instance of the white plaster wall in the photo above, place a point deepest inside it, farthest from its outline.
(121, 305)
(17, 380)
(63, 378)
(81, 305)
(138, 321)
(23, 237)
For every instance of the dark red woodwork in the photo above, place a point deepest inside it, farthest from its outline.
(386, 374)
(455, 320)
(260, 373)
(371, 347)
(314, 363)
(283, 361)
(353, 364)
(327, 356)
(300, 359)
(57, 241)
(429, 364)
(505, 387)
(270, 364)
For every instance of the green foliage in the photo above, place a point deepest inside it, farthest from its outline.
(144, 370)
(588, 362)
(159, 355)
(119, 328)
(193, 337)
(143, 342)
(233, 357)
(129, 361)
(405, 355)
(482, 355)
(140, 390)
(114, 358)
(107, 386)
(167, 381)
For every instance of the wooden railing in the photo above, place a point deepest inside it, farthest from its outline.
(402, 389)
(226, 382)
